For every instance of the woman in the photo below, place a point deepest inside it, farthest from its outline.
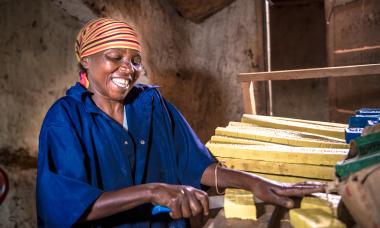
(111, 149)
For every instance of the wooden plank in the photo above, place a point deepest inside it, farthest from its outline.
(248, 98)
(332, 97)
(341, 71)
(333, 100)
(260, 88)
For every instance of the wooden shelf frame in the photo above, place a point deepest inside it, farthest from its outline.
(247, 79)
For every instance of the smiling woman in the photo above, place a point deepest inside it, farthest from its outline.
(111, 149)
(111, 75)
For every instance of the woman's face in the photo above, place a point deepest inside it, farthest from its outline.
(113, 72)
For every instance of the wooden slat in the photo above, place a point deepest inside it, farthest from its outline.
(330, 28)
(248, 97)
(341, 71)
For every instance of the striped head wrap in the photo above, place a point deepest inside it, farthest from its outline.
(105, 33)
(102, 34)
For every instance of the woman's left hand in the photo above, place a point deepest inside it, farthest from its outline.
(279, 193)
(264, 189)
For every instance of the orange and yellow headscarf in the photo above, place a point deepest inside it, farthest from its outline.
(102, 34)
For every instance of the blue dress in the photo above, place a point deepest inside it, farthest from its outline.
(83, 153)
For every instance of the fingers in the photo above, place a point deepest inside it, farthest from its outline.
(176, 205)
(185, 205)
(187, 202)
(198, 201)
(300, 189)
(203, 199)
(281, 200)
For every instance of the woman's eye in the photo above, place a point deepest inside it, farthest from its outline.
(114, 57)
(136, 61)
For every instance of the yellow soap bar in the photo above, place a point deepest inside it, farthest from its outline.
(239, 204)
(316, 218)
(288, 179)
(287, 133)
(290, 138)
(234, 140)
(239, 124)
(325, 202)
(332, 131)
(300, 170)
(302, 155)
(314, 122)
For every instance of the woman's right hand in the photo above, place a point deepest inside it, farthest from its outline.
(184, 201)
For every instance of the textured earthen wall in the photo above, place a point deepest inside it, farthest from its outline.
(195, 65)
(36, 67)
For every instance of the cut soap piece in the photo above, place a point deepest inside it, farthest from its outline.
(316, 218)
(239, 204)
(325, 202)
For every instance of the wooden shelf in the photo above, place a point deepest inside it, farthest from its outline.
(247, 79)
(341, 71)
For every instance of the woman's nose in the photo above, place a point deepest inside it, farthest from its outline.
(126, 66)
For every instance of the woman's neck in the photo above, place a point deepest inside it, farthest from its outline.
(114, 109)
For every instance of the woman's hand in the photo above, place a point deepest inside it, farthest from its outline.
(184, 201)
(264, 189)
(279, 193)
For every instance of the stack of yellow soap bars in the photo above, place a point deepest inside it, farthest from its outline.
(318, 211)
(281, 149)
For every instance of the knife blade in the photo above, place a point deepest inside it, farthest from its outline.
(213, 202)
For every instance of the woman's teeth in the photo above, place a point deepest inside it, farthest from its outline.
(120, 82)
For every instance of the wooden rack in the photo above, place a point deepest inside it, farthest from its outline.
(247, 79)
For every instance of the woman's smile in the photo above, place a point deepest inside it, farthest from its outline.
(122, 83)
(113, 72)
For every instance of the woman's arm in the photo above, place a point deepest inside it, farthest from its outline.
(184, 201)
(266, 190)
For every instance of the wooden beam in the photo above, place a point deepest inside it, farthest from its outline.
(248, 97)
(341, 71)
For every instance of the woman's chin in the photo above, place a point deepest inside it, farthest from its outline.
(119, 94)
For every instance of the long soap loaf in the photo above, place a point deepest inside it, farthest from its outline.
(331, 131)
(281, 137)
(303, 155)
(235, 140)
(281, 168)
(314, 122)
(288, 179)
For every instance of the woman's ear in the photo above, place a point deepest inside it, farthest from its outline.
(85, 63)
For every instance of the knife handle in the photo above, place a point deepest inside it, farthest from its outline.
(160, 209)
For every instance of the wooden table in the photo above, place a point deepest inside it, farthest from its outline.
(268, 216)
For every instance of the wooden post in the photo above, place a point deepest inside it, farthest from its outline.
(248, 98)
(329, 18)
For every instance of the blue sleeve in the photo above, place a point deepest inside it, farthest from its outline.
(63, 189)
(192, 156)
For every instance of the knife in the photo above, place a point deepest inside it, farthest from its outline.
(214, 202)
